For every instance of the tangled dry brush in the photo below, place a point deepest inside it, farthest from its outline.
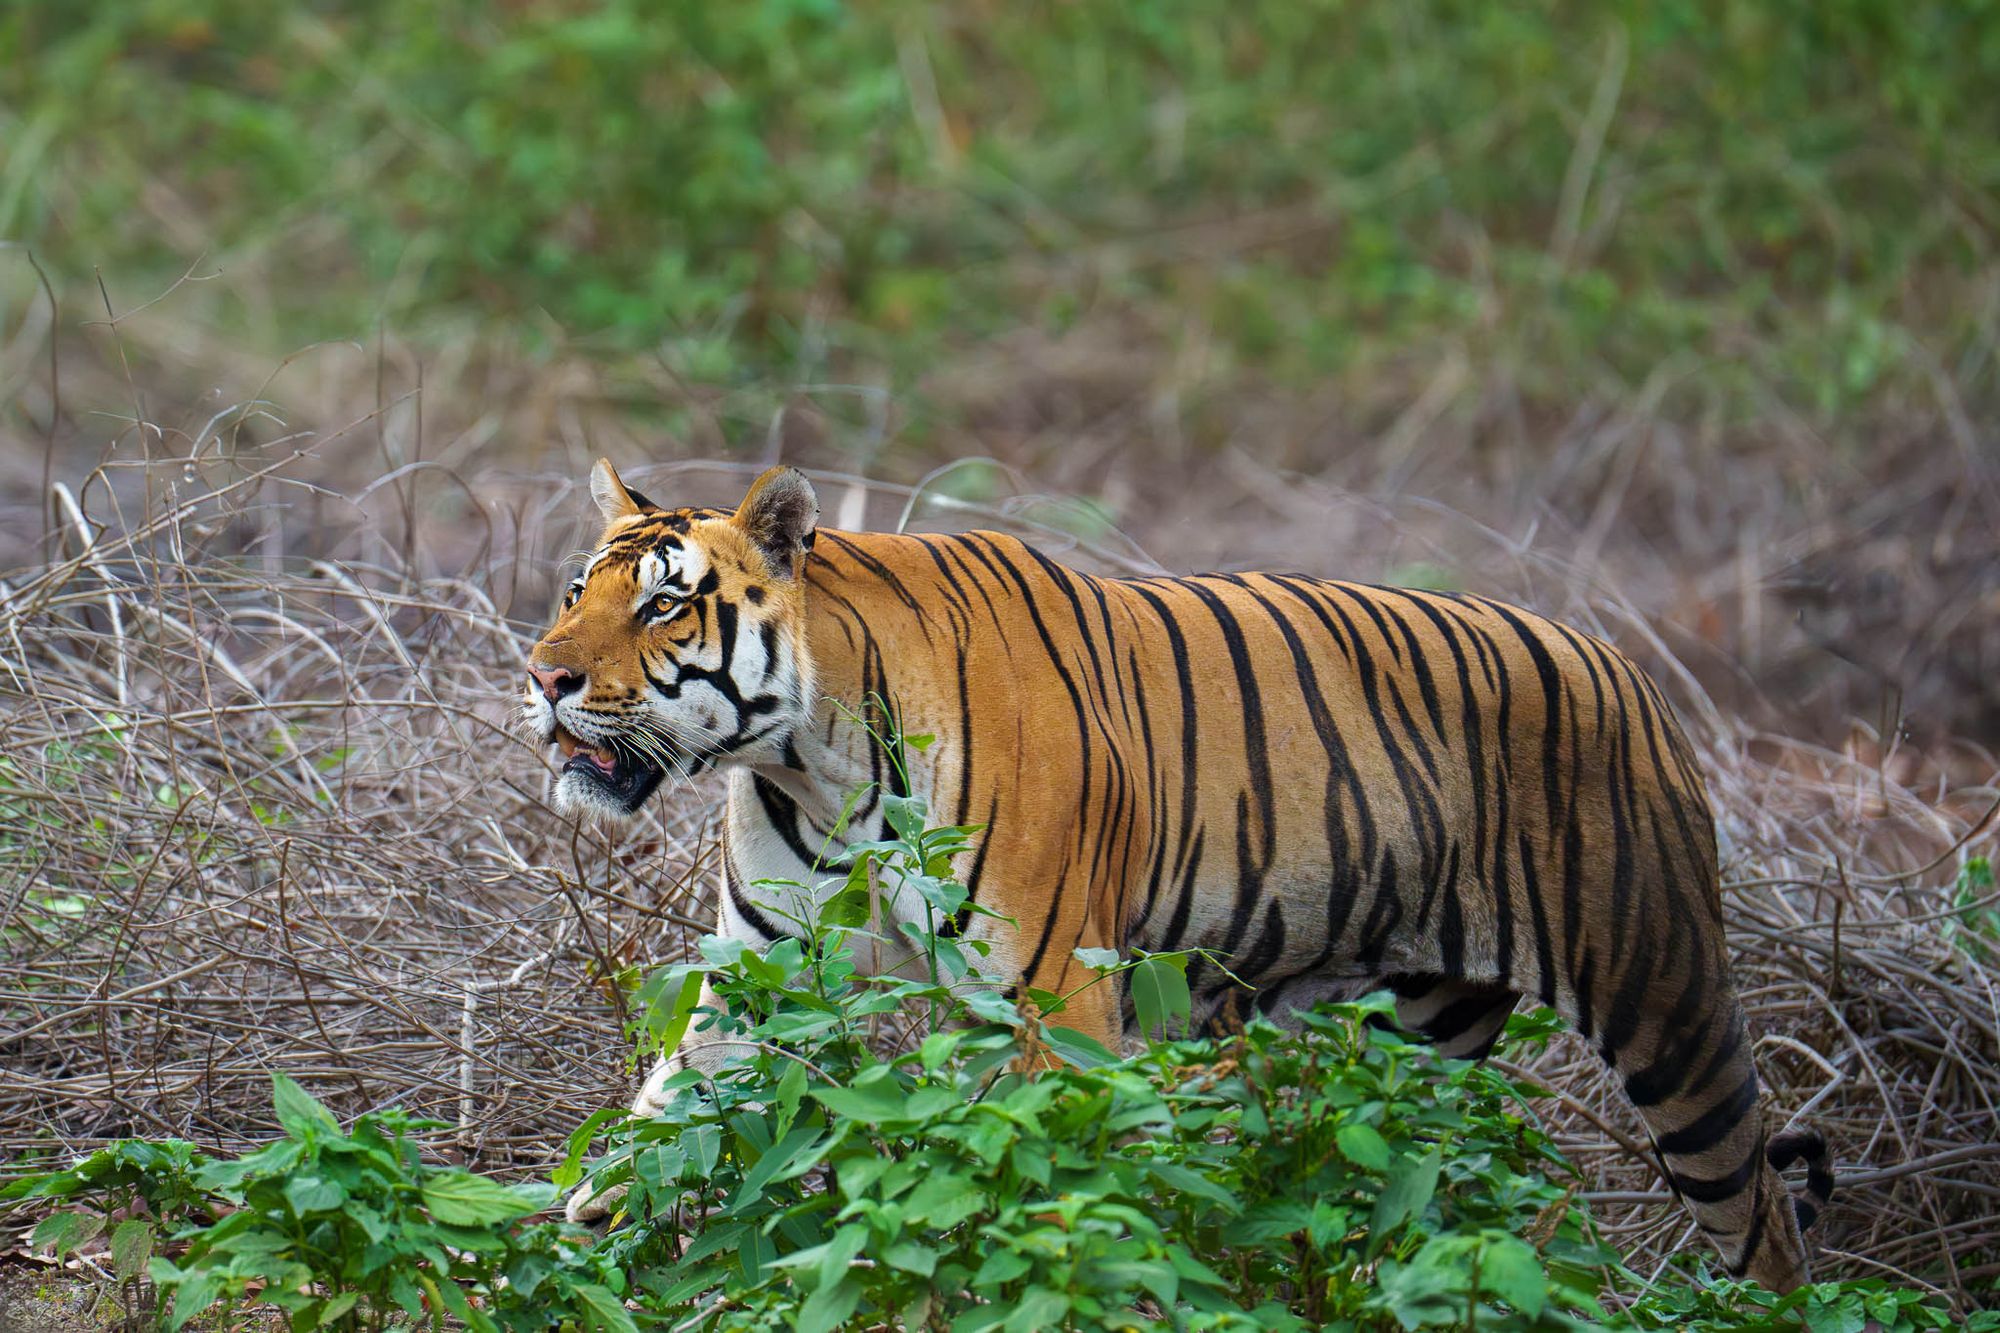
(262, 811)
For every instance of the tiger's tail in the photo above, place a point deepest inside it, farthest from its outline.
(1691, 1078)
(1808, 1146)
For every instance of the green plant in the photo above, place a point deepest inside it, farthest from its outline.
(1338, 1176)
(338, 1228)
(1702, 1303)
(1974, 926)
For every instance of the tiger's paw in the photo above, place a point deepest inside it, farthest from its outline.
(586, 1206)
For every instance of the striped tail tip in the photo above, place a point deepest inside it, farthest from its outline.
(1809, 1146)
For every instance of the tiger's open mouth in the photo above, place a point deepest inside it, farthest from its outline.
(624, 777)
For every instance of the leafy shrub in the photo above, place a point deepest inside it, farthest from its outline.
(340, 1229)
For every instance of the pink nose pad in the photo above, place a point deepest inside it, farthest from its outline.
(555, 682)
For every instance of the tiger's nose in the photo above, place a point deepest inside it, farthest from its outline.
(555, 682)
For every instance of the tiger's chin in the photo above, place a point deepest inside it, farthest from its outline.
(605, 780)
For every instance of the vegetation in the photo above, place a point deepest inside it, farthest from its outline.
(996, 1172)
(1775, 198)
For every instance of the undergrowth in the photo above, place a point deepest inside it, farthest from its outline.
(1763, 198)
(994, 1171)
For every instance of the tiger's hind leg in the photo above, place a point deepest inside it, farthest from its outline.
(1687, 1070)
(1461, 1018)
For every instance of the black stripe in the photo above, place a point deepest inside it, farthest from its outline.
(746, 909)
(1715, 1124)
(1699, 1189)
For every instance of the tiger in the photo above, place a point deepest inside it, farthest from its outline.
(1331, 788)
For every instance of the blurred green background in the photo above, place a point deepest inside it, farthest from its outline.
(1801, 193)
(1730, 264)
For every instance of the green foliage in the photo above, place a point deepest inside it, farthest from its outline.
(338, 1228)
(1335, 1177)
(1719, 1305)
(990, 1170)
(1974, 926)
(1768, 196)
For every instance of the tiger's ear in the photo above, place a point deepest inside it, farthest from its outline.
(614, 499)
(780, 515)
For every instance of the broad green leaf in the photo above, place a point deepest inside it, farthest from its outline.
(721, 950)
(939, 1047)
(794, 1155)
(1405, 1195)
(462, 1199)
(906, 814)
(313, 1194)
(1160, 999)
(993, 1007)
(331, 1312)
(571, 1170)
(872, 1098)
(192, 1296)
(298, 1111)
(1000, 1267)
(912, 1257)
(943, 1200)
(131, 1247)
(1080, 1049)
(668, 1014)
(1098, 960)
(1039, 1308)
(829, 1305)
(65, 1231)
(1364, 1146)
(1187, 1181)
(1510, 1269)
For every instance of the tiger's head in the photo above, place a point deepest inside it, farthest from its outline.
(680, 645)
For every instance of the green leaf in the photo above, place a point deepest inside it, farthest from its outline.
(1001, 1267)
(1099, 960)
(872, 1098)
(460, 1198)
(939, 1047)
(65, 1231)
(331, 1312)
(839, 1252)
(669, 1014)
(297, 1109)
(1510, 1269)
(1038, 1308)
(580, 1138)
(1080, 1049)
(794, 1155)
(192, 1296)
(131, 1247)
(1159, 989)
(1405, 1195)
(906, 814)
(1364, 1146)
(912, 1257)
(1187, 1181)
(829, 1306)
(312, 1194)
(943, 1200)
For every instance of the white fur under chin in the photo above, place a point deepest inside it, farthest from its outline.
(576, 795)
